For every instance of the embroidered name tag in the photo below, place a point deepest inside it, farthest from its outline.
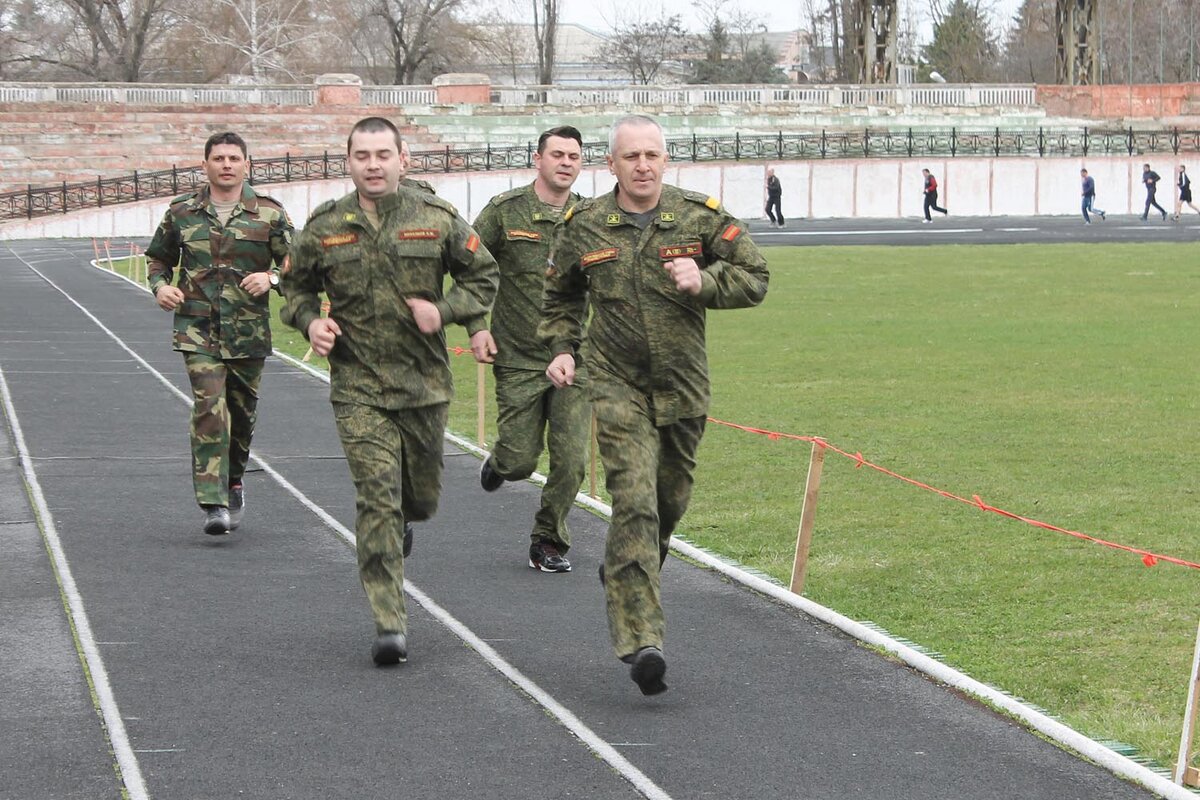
(338, 239)
(731, 233)
(532, 236)
(680, 251)
(416, 233)
(599, 256)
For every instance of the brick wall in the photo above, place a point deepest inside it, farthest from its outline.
(1121, 103)
(45, 144)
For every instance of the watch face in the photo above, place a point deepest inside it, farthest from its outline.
(274, 279)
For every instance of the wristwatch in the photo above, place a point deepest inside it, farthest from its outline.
(274, 279)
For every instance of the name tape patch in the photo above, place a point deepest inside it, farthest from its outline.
(416, 233)
(599, 256)
(532, 236)
(338, 239)
(680, 251)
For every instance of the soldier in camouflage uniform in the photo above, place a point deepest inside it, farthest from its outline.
(407, 182)
(517, 227)
(651, 259)
(380, 254)
(229, 243)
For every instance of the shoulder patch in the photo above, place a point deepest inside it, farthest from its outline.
(708, 201)
(324, 208)
(511, 194)
(434, 200)
(731, 233)
(713, 203)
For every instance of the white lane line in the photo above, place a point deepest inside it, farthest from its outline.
(1016, 230)
(901, 231)
(595, 743)
(127, 764)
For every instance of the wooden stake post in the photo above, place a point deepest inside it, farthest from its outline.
(1184, 774)
(592, 462)
(808, 515)
(480, 402)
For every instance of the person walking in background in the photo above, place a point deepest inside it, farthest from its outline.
(1184, 184)
(774, 196)
(229, 243)
(651, 260)
(931, 195)
(1089, 197)
(517, 227)
(1150, 180)
(381, 253)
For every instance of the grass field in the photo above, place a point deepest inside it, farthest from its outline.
(1059, 382)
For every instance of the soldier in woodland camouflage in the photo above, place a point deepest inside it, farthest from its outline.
(229, 243)
(651, 259)
(517, 227)
(380, 254)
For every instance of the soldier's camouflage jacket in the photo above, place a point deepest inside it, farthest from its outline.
(381, 359)
(644, 331)
(217, 316)
(518, 229)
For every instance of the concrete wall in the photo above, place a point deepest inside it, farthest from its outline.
(877, 188)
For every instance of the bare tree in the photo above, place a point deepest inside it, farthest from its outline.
(1030, 44)
(261, 35)
(642, 47)
(411, 33)
(111, 38)
(545, 35)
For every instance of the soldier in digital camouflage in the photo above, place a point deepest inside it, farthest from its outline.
(518, 227)
(407, 182)
(651, 259)
(380, 254)
(229, 243)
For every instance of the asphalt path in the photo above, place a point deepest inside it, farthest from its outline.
(185, 666)
(953, 229)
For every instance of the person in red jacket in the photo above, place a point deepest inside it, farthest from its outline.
(931, 198)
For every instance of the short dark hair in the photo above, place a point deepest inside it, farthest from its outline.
(1084, 171)
(563, 132)
(374, 125)
(225, 137)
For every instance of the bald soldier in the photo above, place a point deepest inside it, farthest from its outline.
(229, 243)
(518, 227)
(381, 254)
(652, 259)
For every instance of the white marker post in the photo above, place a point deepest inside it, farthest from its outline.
(808, 515)
(1185, 775)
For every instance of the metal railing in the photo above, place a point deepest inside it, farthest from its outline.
(849, 96)
(827, 144)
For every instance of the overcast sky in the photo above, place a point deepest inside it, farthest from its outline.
(779, 15)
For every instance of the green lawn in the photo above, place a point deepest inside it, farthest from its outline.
(1058, 382)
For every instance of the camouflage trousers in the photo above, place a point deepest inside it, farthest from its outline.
(224, 399)
(648, 472)
(395, 460)
(529, 407)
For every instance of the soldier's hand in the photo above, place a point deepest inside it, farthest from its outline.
(256, 283)
(483, 347)
(168, 297)
(425, 314)
(561, 371)
(321, 334)
(686, 274)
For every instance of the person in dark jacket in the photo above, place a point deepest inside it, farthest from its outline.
(1151, 178)
(1184, 184)
(931, 195)
(774, 196)
(1089, 197)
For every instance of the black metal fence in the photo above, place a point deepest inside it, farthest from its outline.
(866, 143)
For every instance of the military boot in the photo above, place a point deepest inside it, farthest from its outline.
(389, 648)
(648, 670)
(237, 505)
(408, 538)
(216, 520)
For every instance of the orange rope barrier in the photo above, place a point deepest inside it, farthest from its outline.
(1148, 558)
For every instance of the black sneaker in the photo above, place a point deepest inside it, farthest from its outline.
(603, 581)
(488, 478)
(544, 555)
(237, 506)
(216, 520)
(389, 648)
(648, 669)
(408, 538)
